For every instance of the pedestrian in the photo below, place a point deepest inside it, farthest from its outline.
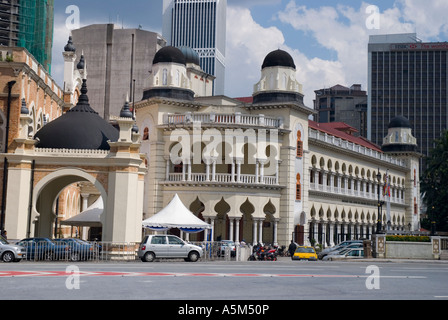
(292, 248)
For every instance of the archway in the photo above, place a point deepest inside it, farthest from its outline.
(46, 192)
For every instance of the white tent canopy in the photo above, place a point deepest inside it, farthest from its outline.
(175, 215)
(91, 217)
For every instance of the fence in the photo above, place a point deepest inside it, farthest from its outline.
(79, 250)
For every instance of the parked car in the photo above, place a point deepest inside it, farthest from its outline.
(356, 253)
(79, 249)
(339, 246)
(44, 249)
(10, 252)
(305, 253)
(227, 245)
(167, 246)
(345, 248)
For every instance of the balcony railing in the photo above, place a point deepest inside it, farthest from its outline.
(226, 178)
(237, 118)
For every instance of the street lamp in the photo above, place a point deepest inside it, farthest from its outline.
(380, 204)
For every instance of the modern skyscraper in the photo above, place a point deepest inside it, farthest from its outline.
(118, 62)
(28, 24)
(410, 78)
(200, 25)
(342, 104)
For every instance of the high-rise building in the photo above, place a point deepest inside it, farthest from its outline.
(28, 24)
(200, 25)
(343, 104)
(408, 78)
(118, 63)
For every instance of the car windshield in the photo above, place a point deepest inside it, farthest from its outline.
(305, 250)
(3, 240)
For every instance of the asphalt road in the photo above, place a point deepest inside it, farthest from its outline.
(229, 281)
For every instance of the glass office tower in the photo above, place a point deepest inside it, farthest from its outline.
(28, 24)
(200, 25)
(408, 77)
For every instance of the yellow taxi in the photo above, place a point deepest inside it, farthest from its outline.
(305, 253)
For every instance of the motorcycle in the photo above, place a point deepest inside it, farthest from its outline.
(263, 253)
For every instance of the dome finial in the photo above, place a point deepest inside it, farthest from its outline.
(126, 111)
(69, 47)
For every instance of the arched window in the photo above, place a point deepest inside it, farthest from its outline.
(415, 206)
(146, 133)
(299, 149)
(298, 188)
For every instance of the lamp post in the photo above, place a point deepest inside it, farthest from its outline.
(380, 204)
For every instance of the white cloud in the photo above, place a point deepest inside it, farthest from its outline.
(248, 43)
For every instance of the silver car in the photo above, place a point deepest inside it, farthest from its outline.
(10, 252)
(167, 246)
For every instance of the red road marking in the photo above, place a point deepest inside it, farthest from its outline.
(161, 274)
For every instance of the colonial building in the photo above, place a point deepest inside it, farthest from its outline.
(77, 149)
(260, 170)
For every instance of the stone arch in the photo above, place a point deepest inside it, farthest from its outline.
(48, 189)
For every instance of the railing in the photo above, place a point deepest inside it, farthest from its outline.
(68, 250)
(222, 178)
(78, 251)
(221, 118)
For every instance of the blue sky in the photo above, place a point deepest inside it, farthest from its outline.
(327, 38)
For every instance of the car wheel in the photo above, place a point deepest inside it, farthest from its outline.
(8, 256)
(48, 255)
(75, 256)
(149, 257)
(193, 256)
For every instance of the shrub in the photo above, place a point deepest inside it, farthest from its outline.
(409, 238)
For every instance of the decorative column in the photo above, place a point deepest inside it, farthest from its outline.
(255, 227)
(238, 169)
(275, 231)
(260, 231)
(231, 228)
(237, 230)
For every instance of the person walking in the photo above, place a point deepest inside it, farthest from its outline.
(292, 248)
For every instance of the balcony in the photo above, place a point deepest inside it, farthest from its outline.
(234, 119)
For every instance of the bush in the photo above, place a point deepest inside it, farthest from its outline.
(409, 238)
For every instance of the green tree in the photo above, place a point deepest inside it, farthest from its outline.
(434, 185)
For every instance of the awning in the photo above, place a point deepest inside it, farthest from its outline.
(175, 215)
(91, 217)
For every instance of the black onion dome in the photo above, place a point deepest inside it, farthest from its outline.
(79, 128)
(399, 122)
(169, 54)
(191, 56)
(69, 47)
(81, 63)
(278, 58)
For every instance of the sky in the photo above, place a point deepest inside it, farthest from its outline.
(326, 38)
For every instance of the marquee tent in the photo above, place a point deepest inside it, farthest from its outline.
(91, 217)
(175, 215)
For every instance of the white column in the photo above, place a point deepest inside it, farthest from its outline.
(257, 171)
(260, 231)
(189, 170)
(275, 231)
(85, 204)
(212, 230)
(238, 170)
(207, 170)
(231, 228)
(237, 230)
(262, 162)
(214, 169)
(255, 227)
(232, 172)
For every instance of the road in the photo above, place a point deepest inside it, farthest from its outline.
(230, 281)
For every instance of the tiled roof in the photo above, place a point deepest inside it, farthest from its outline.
(339, 129)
